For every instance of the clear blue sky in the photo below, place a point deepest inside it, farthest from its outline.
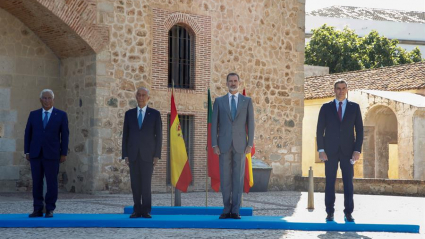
(407, 5)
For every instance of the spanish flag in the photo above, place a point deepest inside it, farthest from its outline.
(181, 176)
(248, 178)
(213, 162)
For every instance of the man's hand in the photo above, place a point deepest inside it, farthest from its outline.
(216, 150)
(27, 156)
(63, 159)
(248, 149)
(126, 160)
(356, 156)
(155, 161)
(323, 156)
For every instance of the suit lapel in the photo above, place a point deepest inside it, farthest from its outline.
(334, 110)
(39, 117)
(53, 116)
(241, 102)
(133, 118)
(227, 106)
(347, 110)
(147, 116)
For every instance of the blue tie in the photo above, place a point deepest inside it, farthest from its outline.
(140, 118)
(233, 109)
(46, 119)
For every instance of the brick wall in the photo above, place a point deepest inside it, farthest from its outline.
(67, 27)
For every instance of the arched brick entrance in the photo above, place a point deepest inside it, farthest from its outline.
(380, 143)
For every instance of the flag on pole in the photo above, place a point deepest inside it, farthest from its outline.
(213, 164)
(248, 177)
(181, 176)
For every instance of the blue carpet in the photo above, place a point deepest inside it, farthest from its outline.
(191, 221)
(167, 210)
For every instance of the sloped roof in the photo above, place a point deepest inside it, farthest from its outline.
(392, 78)
(362, 13)
(403, 97)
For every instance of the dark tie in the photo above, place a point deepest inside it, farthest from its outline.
(46, 119)
(340, 111)
(233, 109)
(140, 118)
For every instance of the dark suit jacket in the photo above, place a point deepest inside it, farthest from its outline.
(147, 141)
(53, 140)
(332, 133)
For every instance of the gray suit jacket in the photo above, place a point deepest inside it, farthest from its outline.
(224, 131)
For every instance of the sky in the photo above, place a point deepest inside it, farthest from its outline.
(407, 5)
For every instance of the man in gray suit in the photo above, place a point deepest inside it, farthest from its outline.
(232, 133)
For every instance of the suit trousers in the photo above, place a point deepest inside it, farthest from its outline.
(141, 179)
(331, 167)
(232, 170)
(40, 168)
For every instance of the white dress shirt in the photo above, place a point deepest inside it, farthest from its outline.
(144, 112)
(50, 114)
(230, 100)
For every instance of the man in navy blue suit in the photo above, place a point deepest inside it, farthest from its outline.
(337, 142)
(46, 146)
(141, 149)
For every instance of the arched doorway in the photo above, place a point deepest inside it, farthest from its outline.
(380, 144)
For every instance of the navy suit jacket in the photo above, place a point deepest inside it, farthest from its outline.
(53, 140)
(147, 141)
(333, 134)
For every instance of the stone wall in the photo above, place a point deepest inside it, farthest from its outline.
(79, 73)
(315, 70)
(27, 66)
(262, 40)
(418, 144)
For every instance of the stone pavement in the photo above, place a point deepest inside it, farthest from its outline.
(388, 209)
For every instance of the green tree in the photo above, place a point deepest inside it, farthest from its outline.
(345, 51)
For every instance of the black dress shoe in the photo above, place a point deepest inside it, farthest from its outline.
(330, 217)
(146, 215)
(36, 214)
(236, 216)
(135, 215)
(48, 214)
(348, 217)
(225, 215)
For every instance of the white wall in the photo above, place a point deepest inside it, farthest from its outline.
(392, 30)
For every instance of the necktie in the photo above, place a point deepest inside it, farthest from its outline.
(140, 118)
(233, 109)
(340, 111)
(46, 119)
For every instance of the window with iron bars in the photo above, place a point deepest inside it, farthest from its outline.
(180, 58)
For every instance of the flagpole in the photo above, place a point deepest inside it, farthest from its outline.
(172, 192)
(171, 176)
(206, 178)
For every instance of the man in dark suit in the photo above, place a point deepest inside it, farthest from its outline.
(232, 135)
(337, 142)
(46, 146)
(141, 149)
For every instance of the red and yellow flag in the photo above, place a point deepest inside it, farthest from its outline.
(213, 163)
(181, 176)
(248, 178)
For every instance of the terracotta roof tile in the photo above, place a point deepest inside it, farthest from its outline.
(393, 78)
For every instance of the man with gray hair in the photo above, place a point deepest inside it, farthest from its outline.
(141, 149)
(46, 146)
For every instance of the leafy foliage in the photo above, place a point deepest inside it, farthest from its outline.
(346, 51)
